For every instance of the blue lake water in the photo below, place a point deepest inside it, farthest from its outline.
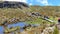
(1, 30)
(21, 24)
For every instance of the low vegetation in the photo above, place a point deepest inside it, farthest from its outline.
(24, 15)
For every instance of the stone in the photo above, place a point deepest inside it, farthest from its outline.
(10, 4)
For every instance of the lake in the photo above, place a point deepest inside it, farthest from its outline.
(21, 24)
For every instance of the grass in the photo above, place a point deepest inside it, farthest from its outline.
(56, 31)
(10, 13)
(36, 21)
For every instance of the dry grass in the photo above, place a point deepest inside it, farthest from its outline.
(8, 13)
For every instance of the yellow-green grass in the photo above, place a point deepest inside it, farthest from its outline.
(19, 13)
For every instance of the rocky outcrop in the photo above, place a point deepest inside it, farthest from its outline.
(9, 4)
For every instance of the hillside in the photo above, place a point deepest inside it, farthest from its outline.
(24, 14)
(47, 10)
(31, 15)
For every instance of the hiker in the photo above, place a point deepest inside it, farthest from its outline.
(58, 24)
(59, 20)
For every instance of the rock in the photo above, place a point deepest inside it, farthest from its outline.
(36, 14)
(14, 20)
(12, 29)
(46, 17)
(48, 30)
(58, 26)
(10, 4)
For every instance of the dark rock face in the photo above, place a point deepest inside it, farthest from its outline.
(9, 4)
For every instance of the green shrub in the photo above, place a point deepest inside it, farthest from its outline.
(56, 31)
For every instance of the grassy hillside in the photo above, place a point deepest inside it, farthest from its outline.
(47, 10)
(24, 14)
